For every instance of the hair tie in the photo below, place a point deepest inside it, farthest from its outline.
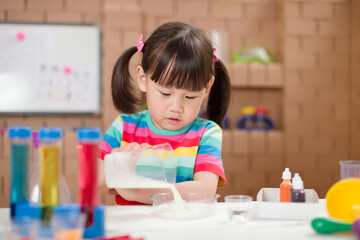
(140, 43)
(215, 58)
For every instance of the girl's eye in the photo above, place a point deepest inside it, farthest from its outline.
(188, 97)
(165, 94)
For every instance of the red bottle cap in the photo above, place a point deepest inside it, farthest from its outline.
(262, 110)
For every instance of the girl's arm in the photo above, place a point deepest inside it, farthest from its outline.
(204, 182)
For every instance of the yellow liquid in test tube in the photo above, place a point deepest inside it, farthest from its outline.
(49, 180)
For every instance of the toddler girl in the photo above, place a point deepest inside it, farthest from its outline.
(178, 71)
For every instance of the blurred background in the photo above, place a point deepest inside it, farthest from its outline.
(310, 88)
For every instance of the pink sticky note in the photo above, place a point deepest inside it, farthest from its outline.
(67, 70)
(20, 36)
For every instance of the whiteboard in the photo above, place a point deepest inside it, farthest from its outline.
(50, 68)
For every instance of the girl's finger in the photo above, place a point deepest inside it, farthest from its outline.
(122, 147)
(144, 145)
(134, 146)
(115, 150)
(112, 191)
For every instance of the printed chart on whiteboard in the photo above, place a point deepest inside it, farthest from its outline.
(49, 68)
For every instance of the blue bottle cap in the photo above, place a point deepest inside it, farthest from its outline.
(50, 134)
(226, 123)
(19, 132)
(87, 134)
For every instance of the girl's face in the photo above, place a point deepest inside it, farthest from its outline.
(171, 108)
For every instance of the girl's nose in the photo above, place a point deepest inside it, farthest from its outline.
(176, 104)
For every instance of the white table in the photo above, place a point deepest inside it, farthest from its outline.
(138, 221)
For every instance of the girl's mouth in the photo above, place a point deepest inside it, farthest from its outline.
(173, 120)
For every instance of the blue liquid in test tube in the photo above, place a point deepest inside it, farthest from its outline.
(19, 166)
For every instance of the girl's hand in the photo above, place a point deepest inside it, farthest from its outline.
(141, 195)
(121, 191)
(134, 146)
(128, 194)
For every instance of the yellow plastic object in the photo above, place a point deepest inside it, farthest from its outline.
(343, 200)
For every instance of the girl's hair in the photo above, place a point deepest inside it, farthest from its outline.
(176, 55)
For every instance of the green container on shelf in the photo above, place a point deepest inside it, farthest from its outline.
(252, 54)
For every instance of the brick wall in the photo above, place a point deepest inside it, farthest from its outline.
(354, 126)
(317, 89)
(312, 91)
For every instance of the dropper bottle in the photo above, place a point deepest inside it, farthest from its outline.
(285, 186)
(297, 191)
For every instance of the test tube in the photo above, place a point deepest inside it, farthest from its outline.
(20, 138)
(88, 140)
(34, 191)
(36, 143)
(50, 160)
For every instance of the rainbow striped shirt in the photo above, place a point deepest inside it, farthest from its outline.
(197, 146)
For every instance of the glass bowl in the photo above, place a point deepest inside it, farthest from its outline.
(184, 206)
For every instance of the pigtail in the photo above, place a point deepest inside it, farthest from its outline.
(123, 91)
(219, 97)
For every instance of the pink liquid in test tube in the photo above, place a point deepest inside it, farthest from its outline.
(88, 140)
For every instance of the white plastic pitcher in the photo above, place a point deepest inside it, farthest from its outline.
(151, 167)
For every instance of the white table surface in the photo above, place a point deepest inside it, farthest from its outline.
(138, 221)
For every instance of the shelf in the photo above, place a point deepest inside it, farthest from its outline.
(237, 141)
(256, 75)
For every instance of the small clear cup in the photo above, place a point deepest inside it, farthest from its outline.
(22, 228)
(238, 207)
(69, 226)
(349, 169)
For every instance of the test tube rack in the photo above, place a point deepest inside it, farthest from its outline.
(33, 211)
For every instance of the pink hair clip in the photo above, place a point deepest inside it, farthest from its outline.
(215, 58)
(140, 43)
